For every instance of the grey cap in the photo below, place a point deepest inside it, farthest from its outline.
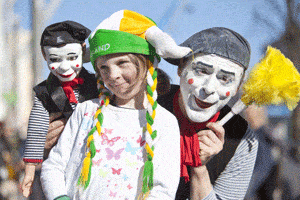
(64, 33)
(220, 41)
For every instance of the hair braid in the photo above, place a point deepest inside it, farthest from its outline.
(150, 115)
(85, 175)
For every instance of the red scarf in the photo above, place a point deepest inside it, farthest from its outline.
(68, 88)
(189, 143)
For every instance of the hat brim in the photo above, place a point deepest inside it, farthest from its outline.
(106, 42)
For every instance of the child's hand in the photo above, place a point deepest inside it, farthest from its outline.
(28, 179)
(211, 141)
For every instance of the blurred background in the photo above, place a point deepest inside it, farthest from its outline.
(261, 22)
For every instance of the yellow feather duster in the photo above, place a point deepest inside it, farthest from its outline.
(274, 80)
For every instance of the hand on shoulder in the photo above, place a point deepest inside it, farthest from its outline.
(56, 126)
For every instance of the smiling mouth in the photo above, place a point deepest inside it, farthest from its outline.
(116, 85)
(66, 76)
(202, 104)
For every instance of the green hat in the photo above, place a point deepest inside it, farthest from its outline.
(123, 32)
(130, 32)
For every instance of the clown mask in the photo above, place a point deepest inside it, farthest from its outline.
(64, 62)
(207, 83)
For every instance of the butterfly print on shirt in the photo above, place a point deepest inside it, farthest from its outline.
(103, 173)
(97, 162)
(114, 171)
(107, 141)
(125, 177)
(111, 154)
(112, 194)
(108, 131)
(131, 149)
(131, 164)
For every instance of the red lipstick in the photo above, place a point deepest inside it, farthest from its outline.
(202, 104)
(66, 76)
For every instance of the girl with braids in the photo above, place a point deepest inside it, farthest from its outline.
(123, 144)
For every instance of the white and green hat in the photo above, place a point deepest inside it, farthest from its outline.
(129, 32)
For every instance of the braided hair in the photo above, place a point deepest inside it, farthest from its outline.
(104, 98)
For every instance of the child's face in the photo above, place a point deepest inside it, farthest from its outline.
(121, 75)
(64, 62)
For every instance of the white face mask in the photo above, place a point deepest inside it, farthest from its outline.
(207, 83)
(64, 62)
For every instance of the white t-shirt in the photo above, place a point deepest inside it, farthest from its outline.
(117, 169)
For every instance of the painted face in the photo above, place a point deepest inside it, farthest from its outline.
(64, 62)
(207, 83)
(122, 76)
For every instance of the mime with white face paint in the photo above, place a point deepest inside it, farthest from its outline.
(216, 162)
(63, 47)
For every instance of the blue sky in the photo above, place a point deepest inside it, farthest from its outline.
(179, 18)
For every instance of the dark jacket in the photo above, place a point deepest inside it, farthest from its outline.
(54, 98)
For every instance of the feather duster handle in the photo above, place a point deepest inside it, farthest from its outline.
(274, 80)
(238, 107)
